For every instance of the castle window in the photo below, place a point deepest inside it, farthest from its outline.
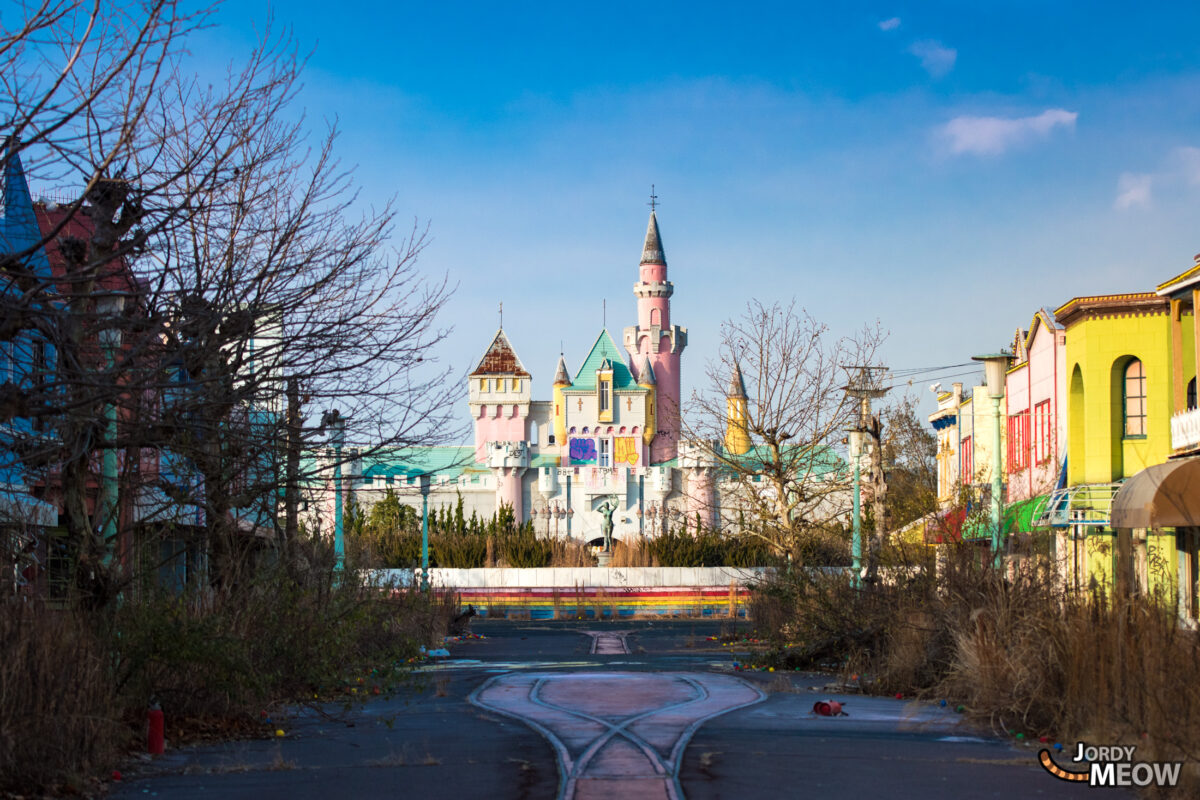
(602, 386)
(1135, 399)
(516, 384)
(605, 448)
(483, 384)
(1191, 395)
(655, 317)
(533, 433)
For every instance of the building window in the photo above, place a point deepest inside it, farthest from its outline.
(533, 433)
(604, 395)
(655, 317)
(1135, 399)
(1191, 395)
(483, 384)
(1043, 432)
(967, 470)
(605, 460)
(516, 384)
(1018, 442)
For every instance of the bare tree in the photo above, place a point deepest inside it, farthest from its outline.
(214, 257)
(789, 487)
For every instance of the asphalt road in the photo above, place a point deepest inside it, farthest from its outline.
(532, 712)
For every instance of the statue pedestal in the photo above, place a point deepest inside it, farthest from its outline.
(603, 558)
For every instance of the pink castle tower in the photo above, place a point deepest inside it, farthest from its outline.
(659, 341)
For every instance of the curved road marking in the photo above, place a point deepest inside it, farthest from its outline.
(616, 732)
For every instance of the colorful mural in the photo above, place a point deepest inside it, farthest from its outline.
(582, 451)
(626, 451)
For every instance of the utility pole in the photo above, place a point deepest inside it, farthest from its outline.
(867, 384)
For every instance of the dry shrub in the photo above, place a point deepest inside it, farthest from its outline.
(1018, 651)
(571, 553)
(633, 553)
(59, 715)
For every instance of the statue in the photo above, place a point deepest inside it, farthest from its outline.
(606, 513)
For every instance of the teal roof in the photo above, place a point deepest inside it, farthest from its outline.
(412, 461)
(604, 348)
(817, 461)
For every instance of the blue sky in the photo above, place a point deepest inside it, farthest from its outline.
(944, 168)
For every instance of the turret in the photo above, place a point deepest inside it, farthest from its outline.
(658, 340)
(499, 395)
(737, 435)
(562, 381)
(647, 381)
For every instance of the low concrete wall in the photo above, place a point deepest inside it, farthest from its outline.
(570, 577)
(594, 592)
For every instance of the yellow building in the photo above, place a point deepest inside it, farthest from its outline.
(1157, 511)
(1119, 405)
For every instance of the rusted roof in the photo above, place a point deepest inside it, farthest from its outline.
(652, 250)
(737, 387)
(501, 359)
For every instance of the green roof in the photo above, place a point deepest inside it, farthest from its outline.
(820, 460)
(412, 461)
(604, 348)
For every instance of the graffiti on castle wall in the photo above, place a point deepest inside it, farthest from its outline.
(626, 450)
(582, 451)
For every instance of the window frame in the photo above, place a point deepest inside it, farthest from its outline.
(1126, 417)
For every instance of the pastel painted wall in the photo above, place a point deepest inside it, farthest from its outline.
(1035, 390)
(1098, 348)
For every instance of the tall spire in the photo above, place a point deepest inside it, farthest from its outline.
(646, 373)
(652, 251)
(561, 376)
(737, 387)
(19, 231)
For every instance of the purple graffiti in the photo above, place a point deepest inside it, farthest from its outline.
(583, 451)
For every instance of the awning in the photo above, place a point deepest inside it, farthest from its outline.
(1022, 516)
(1162, 496)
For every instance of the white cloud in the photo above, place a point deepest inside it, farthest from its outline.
(1133, 189)
(889, 24)
(994, 135)
(936, 58)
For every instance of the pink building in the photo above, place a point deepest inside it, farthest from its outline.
(1036, 425)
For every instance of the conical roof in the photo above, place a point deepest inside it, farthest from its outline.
(652, 251)
(561, 377)
(500, 359)
(737, 387)
(646, 373)
(19, 231)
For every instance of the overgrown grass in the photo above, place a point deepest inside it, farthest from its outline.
(1017, 651)
(75, 685)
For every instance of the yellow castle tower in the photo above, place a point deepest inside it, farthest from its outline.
(737, 435)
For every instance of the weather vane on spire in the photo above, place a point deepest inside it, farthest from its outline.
(653, 199)
(502, 314)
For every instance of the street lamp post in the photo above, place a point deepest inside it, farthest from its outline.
(424, 483)
(995, 366)
(110, 342)
(337, 438)
(856, 448)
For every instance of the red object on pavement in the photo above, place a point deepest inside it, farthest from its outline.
(154, 731)
(827, 708)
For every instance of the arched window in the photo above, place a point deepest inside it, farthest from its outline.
(1135, 398)
(533, 433)
(655, 317)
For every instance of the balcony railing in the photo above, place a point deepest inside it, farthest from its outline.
(1185, 430)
